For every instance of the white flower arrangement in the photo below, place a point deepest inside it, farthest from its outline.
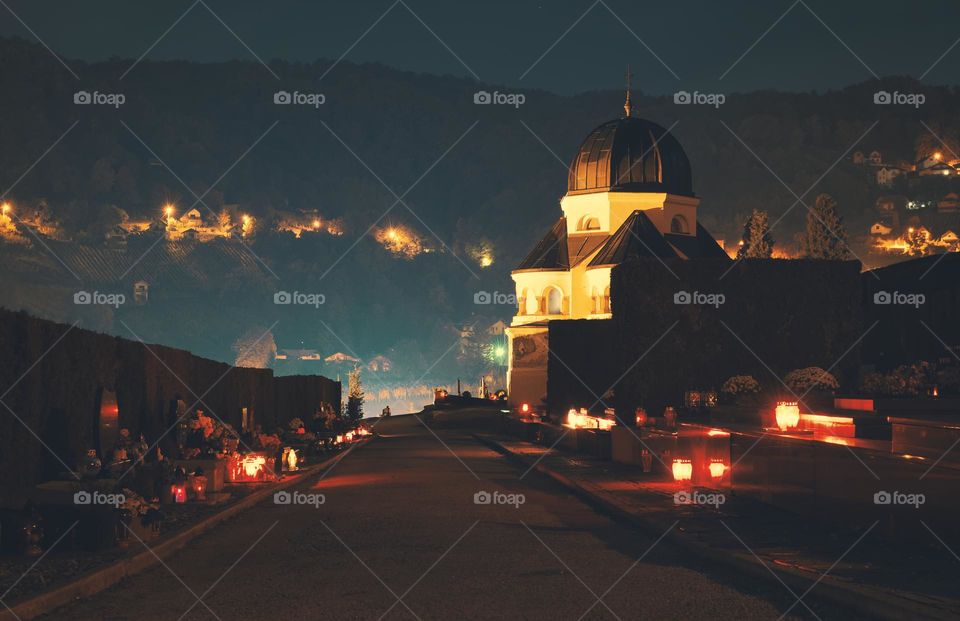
(740, 385)
(811, 378)
(136, 504)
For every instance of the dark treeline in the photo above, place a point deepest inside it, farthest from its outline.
(497, 183)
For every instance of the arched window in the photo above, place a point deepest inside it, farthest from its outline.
(588, 223)
(554, 301)
(679, 225)
(531, 306)
(595, 301)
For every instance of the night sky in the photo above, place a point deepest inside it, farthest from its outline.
(498, 41)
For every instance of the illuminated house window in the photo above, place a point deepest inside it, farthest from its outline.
(606, 300)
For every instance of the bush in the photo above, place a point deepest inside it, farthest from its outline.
(908, 380)
(802, 381)
(948, 379)
(740, 385)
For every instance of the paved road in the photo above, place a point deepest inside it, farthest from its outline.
(400, 521)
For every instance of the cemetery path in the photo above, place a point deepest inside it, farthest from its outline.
(399, 536)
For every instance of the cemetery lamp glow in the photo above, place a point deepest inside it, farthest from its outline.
(682, 469)
(788, 415)
(717, 468)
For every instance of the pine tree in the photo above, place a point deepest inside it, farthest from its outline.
(825, 237)
(355, 395)
(757, 240)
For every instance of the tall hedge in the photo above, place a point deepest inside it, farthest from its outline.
(776, 315)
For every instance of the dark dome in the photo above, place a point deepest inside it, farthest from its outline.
(630, 155)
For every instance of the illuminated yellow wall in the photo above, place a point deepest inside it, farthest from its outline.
(611, 209)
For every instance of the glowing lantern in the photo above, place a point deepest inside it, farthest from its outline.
(198, 484)
(682, 470)
(179, 492)
(339, 439)
(250, 467)
(788, 415)
(641, 417)
(717, 468)
(583, 420)
(290, 458)
(524, 408)
(670, 416)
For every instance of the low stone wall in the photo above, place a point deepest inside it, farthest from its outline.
(52, 377)
(852, 487)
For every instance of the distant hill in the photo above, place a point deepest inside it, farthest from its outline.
(493, 172)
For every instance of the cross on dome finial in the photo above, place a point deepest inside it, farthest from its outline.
(627, 108)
